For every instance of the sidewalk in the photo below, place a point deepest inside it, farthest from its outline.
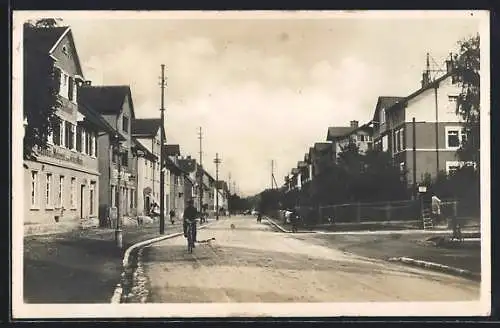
(413, 244)
(80, 266)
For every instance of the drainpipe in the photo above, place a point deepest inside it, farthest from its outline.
(437, 129)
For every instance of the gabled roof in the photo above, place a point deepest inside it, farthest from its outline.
(145, 127)
(187, 164)
(338, 131)
(147, 153)
(301, 164)
(172, 150)
(172, 166)
(46, 39)
(107, 100)
(322, 146)
(385, 102)
(221, 185)
(97, 120)
(431, 85)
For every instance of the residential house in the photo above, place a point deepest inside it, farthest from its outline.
(62, 181)
(222, 195)
(146, 180)
(208, 190)
(147, 132)
(190, 167)
(176, 180)
(117, 162)
(361, 136)
(438, 130)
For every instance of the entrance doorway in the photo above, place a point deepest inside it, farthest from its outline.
(82, 193)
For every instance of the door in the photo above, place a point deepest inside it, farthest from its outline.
(82, 193)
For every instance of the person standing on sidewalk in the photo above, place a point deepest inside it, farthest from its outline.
(436, 208)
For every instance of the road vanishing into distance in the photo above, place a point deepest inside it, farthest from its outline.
(252, 262)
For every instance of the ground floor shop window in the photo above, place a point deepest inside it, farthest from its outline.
(48, 190)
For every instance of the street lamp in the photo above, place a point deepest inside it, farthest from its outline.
(118, 230)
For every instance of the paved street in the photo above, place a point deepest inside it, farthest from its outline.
(254, 263)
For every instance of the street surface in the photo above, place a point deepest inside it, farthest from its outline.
(254, 263)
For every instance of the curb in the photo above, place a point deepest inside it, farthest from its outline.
(117, 294)
(276, 225)
(436, 266)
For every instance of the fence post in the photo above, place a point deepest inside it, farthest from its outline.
(388, 211)
(358, 212)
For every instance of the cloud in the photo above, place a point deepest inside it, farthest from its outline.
(258, 95)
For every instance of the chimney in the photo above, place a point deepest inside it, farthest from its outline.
(354, 124)
(449, 64)
(425, 79)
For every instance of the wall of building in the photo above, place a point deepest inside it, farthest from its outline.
(104, 154)
(76, 185)
(423, 106)
(426, 162)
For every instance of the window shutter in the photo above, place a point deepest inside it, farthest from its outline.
(57, 79)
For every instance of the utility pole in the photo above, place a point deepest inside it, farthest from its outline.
(162, 154)
(217, 161)
(200, 171)
(118, 231)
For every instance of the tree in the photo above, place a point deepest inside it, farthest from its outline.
(466, 72)
(41, 89)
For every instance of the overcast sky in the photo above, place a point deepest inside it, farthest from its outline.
(261, 89)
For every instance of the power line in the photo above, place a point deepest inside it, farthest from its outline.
(200, 169)
(162, 153)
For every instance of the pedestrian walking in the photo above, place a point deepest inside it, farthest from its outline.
(172, 216)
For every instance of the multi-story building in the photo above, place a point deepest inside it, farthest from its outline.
(175, 182)
(145, 178)
(189, 166)
(361, 136)
(61, 181)
(147, 132)
(429, 144)
(222, 190)
(117, 162)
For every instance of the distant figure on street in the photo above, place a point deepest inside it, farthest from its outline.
(436, 208)
(190, 214)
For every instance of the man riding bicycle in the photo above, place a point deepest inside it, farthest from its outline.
(190, 215)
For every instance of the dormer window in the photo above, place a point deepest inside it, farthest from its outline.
(125, 124)
(382, 116)
(65, 49)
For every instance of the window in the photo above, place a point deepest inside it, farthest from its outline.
(68, 133)
(57, 133)
(75, 91)
(48, 190)
(34, 188)
(125, 123)
(132, 198)
(92, 195)
(453, 99)
(63, 89)
(398, 140)
(385, 143)
(95, 145)
(362, 138)
(454, 137)
(382, 116)
(79, 131)
(452, 167)
(87, 143)
(72, 199)
(113, 196)
(92, 144)
(61, 191)
(71, 85)
(125, 158)
(402, 138)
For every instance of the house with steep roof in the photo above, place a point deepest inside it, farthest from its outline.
(117, 161)
(221, 188)
(428, 145)
(147, 133)
(361, 136)
(191, 191)
(61, 181)
(176, 181)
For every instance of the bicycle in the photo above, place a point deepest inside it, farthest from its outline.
(190, 235)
